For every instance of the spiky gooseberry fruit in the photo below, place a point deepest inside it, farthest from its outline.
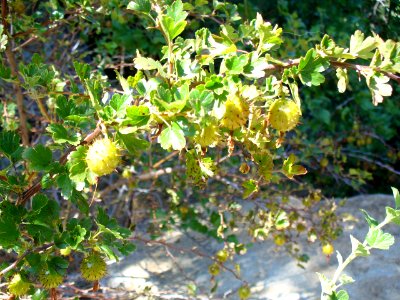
(49, 279)
(102, 157)
(244, 292)
(18, 286)
(207, 136)
(93, 267)
(236, 113)
(328, 249)
(284, 115)
(222, 255)
(214, 269)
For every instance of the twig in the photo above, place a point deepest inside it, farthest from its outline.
(14, 72)
(22, 256)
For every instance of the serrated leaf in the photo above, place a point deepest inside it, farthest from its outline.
(77, 165)
(310, 68)
(9, 232)
(290, 169)
(376, 238)
(234, 64)
(358, 248)
(132, 143)
(3, 39)
(362, 47)
(82, 70)
(61, 135)
(345, 279)
(10, 145)
(379, 87)
(250, 187)
(39, 157)
(65, 184)
(326, 284)
(137, 115)
(172, 137)
(119, 103)
(392, 215)
(370, 220)
(172, 29)
(396, 196)
(144, 63)
(143, 6)
(341, 295)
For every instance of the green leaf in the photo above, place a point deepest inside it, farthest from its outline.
(132, 143)
(137, 115)
(61, 135)
(143, 6)
(77, 166)
(235, 64)
(379, 87)
(392, 215)
(341, 295)
(250, 187)
(326, 284)
(172, 29)
(345, 279)
(10, 145)
(358, 248)
(9, 231)
(290, 169)
(76, 235)
(370, 220)
(376, 238)
(3, 39)
(310, 68)
(362, 47)
(119, 103)
(110, 225)
(396, 196)
(39, 158)
(80, 201)
(144, 63)
(82, 70)
(172, 137)
(66, 185)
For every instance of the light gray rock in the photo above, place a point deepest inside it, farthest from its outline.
(159, 273)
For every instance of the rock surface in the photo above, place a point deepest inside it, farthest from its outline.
(159, 272)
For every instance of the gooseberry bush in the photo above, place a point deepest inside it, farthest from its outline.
(202, 123)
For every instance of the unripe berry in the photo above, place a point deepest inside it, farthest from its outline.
(222, 255)
(102, 157)
(284, 115)
(244, 292)
(327, 249)
(49, 279)
(214, 269)
(18, 286)
(93, 267)
(236, 113)
(280, 240)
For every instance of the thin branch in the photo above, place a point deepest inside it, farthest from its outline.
(14, 72)
(22, 256)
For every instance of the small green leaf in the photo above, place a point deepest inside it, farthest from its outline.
(370, 220)
(392, 215)
(119, 103)
(172, 137)
(144, 63)
(61, 135)
(362, 47)
(137, 115)
(376, 238)
(77, 166)
(341, 295)
(132, 143)
(358, 248)
(9, 231)
(82, 70)
(172, 29)
(345, 279)
(143, 6)
(235, 64)
(250, 187)
(10, 145)
(310, 68)
(290, 169)
(39, 158)
(396, 196)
